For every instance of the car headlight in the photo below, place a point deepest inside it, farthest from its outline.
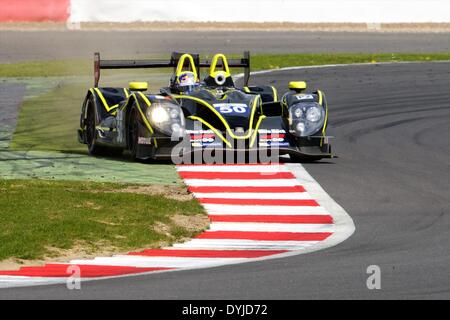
(174, 113)
(297, 112)
(306, 118)
(159, 114)
(313, 114)
(300, 127)
(166, 117)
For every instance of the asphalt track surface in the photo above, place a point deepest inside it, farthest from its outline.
(49, 45)
(392, 128)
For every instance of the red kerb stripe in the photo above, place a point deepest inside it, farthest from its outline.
(247, 189)
(86, 271)
(265, 236)
(231, 164)
(261, 202)
(323, 219)
(207, 253)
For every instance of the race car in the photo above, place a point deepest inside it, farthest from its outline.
(197, 117)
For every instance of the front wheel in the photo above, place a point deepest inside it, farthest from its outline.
(133, 132)
(91, 135)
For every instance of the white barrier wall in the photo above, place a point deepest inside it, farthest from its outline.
(301, 11)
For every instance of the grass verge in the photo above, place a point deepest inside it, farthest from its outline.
(40, 218)
(275, 61)
(259, 62)
(50, 121)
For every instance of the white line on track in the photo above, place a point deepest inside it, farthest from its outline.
(343, 65)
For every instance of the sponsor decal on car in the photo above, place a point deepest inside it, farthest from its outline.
(206, 144)
(260, 131)
(198, 131)
(274, 138)
(305, 97)
(144, 140)
(233, 109)
(273, 144)
(199, 138)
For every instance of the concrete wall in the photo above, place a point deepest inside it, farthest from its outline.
(301, 11)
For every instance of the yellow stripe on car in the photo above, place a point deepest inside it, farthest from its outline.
(102, 98)
(255, 133)
(275, 94)
(180, 65)
(144, 118)
(225, 123)
(324, 130)
(210, 126)
(213, 68)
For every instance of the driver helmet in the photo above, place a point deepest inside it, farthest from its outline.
(186, 79)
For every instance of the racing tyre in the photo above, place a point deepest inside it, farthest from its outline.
(133, 132)
(91, 137)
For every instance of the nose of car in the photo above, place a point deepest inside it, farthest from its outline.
(239, 131)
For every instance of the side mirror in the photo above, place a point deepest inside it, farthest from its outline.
(138, 86)
(297, 86)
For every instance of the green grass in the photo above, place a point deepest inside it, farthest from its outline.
(49, 122)
(46, 68)
(259, 62)
(275, 61)
(37, 215)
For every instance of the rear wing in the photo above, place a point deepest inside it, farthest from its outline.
(99, 64)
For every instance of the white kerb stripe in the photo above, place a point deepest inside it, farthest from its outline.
(245, 244)
(21, 281)
(162, 262)
(231, 168)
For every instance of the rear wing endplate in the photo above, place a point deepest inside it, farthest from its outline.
(99, 64)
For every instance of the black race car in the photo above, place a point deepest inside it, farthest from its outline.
(194, 120)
